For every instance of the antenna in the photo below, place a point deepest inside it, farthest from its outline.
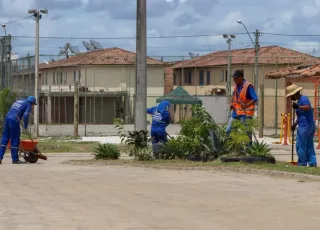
(68, 46)
(88, 46)
(96, 45)
(192, 55)
(73, 49)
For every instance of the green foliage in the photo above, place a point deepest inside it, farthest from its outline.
(239, 139)
(106, 152)
(137, 142)
(143, 154)
(219, 142)
(259, 149)
(194, 137)
(119, 124)
(170, 150)
(7, 98)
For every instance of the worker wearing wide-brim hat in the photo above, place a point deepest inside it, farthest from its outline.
(306, 126)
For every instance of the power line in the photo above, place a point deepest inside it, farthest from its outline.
(292, 35)
(118, 38)
(18, 20)
(157, 37)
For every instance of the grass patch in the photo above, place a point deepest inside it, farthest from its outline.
(180, 164)
(64, 145)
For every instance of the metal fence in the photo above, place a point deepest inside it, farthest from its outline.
(106, 89)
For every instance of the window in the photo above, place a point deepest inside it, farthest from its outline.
(226, 76)
(74, 76)
(221, 75)
(65, 80)
(54, 78)
(201, 78)
(188, 77)
(164, 76)
(174, 79)
(60, 78)
(46, 79)
(208, 78)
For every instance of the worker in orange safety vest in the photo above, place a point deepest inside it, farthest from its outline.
(243, 101)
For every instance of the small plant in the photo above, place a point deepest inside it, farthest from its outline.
(239, 138)
(106, 152)
(171, 149)
(137, 142)
(219, 142)
(259, 149)
(119, 124)
(143, 154)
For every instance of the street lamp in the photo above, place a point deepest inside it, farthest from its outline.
(229, 38)
(256, 79)
(4, 27)
(256, 46)
(37, 14)
(240, 22)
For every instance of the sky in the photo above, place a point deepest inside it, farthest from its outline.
(112, 23)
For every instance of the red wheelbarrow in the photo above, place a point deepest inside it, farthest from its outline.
(30, 151)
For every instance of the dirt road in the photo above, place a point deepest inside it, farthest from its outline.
(58, 196)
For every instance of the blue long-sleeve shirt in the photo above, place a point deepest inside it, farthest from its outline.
(304, 118)
(19, 109)
(160, 117)
(251, 95)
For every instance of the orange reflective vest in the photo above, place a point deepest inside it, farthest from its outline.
(242, 98)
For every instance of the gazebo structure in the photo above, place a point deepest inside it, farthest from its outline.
(301, 74)
(179, 96)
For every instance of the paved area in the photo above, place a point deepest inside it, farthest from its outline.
(51, 195)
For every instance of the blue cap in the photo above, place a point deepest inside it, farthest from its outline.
(32, 100)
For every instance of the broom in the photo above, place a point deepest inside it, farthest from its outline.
(292, 143)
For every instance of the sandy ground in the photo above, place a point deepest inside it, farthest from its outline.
(51, 195)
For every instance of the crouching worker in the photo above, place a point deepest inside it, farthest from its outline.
(160, 120)
(306, 126)
(11, 129)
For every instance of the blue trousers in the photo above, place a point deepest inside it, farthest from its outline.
(305, 146)
(11, 132)
(158, 137)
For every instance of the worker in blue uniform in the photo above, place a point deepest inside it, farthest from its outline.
(11, 131)
(160, 120)
(306, 126)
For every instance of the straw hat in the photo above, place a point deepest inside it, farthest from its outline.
(292, 90)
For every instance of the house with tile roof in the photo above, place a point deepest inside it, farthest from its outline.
(207, 75)
(106, 86)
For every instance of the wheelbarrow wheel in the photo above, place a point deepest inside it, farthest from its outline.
(30, 157)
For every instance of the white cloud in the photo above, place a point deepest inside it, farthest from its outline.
(110, 18)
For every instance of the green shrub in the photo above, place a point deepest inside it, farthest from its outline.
(238, 139)
(170, 150)
(106, 152)
(259, 149)
(7, 98)
(143, 154)
(137, 142)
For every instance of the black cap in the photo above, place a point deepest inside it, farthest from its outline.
(238, 73)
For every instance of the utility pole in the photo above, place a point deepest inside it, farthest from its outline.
(229, 38)
(76, 110)
(256, 64)
(141, 67)
(36, 14)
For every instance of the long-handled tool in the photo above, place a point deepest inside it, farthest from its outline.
(292, 143)
(36, 150)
